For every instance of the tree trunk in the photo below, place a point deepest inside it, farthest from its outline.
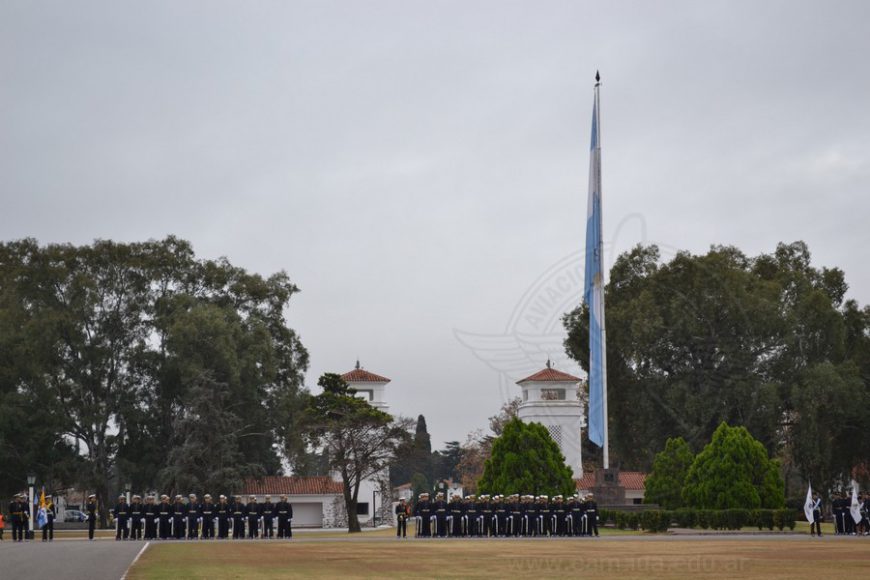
(350, 505)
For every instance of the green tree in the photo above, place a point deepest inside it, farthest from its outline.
(525, 459)
(703, 339)
(734, 471)
(113, 346)
(207, 456)
(664, 484)
(359, 439)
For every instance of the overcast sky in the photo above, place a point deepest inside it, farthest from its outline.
(420, 168)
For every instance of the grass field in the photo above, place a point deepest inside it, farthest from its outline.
(377, 555)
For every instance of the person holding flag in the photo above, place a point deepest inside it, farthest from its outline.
(45, 517)
(813, 512)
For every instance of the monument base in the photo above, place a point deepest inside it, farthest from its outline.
(607, 490)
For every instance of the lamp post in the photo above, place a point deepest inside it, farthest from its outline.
(374, 511)
(31, 480)
(127, 487)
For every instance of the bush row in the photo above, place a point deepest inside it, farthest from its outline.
(733, 519)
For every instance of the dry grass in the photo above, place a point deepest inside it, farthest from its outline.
(645, 558)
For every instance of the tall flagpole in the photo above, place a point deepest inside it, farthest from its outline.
(594, 291)
(601, 300)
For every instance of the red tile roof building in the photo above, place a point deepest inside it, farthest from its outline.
(276, 485)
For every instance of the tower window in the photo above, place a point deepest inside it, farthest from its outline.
(365, 395)
(553, 394)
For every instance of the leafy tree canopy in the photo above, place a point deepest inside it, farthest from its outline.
(664, 484)
(734, 471)
(525, 459)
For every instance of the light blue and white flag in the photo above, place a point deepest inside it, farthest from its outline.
(594, 292)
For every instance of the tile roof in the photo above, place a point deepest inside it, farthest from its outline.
(278, 484)
(631, 480)
(363, 376)
(550, 375)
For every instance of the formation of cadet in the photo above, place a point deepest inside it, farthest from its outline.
(505, 516)
(201, 520)
(844, 523)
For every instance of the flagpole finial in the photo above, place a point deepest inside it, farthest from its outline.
(597, 77)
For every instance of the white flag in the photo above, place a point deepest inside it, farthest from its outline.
(808, 505)
(855, 508)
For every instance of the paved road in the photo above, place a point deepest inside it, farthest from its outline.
(67, 559)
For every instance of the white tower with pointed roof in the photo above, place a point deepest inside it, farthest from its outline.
(552, 398)
(368, 386)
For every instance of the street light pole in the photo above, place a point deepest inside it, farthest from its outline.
(31, 480)
(127, 488)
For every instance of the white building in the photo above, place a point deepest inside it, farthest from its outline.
(552, 398)
(368, 386)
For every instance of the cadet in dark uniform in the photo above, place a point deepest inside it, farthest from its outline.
(151, 513)
(253, 517)
(239, 513)
(285, 517)
(471, 515)
(164, 516)
(440, 509)
(91, 510)
(18, 519)
(544, 515)
(401, 519)
(224, 514)
(267, 512)
(838, 507)
(192, 517)
(485, 509)
(532, 516)
(208, 512)
(559, 514)
(591, 515)
(423, 513)
(577, 513)
(500, 516)
(515, 513)
(137, 512)
(179, 511)
(456, 511)
(121, 513)
(816, 524)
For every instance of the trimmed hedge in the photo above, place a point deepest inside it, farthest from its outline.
(732, 519)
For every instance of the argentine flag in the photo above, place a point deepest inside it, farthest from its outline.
(594, 292)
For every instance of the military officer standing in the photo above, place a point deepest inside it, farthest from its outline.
(152, 514)
(401, 519)
(253, 517)
(17, 509)
(208, 513)
(591, 515)
(179, 512)
(224, 513)
(456, 512)
(164, 516)
(91, 511)
(485, 509)
(192, 512)
(239, 512)
(423, 512)
(472, 523)
(137, 512)
(267, 512)
(285, 517)
(121, 513)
